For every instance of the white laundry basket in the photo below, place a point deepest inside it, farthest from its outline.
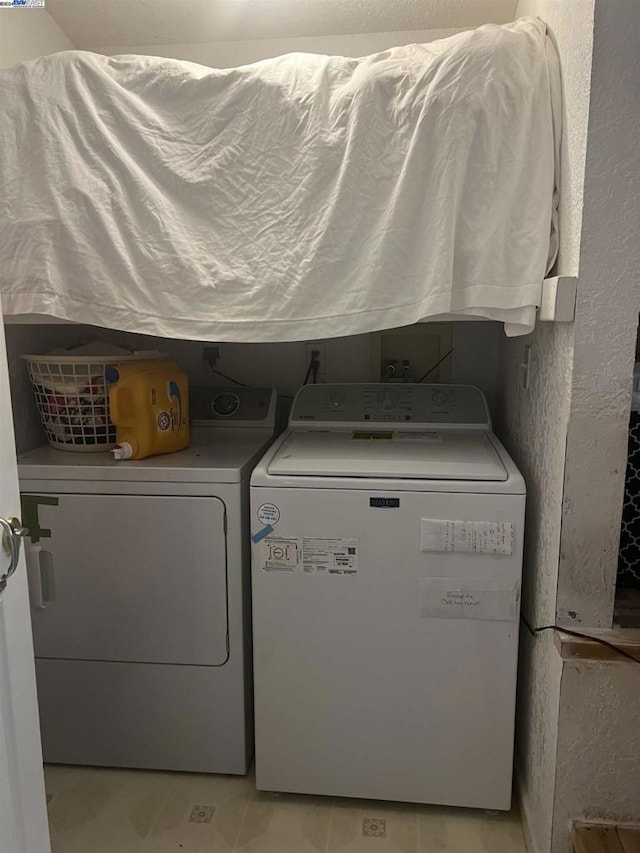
(73, 401)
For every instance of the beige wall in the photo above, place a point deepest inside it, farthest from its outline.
(537, 713)
(598, 768)
(95, 24)
(605, 327)
(27, 34)
(225, 54)
(535, 423)
(578, 722)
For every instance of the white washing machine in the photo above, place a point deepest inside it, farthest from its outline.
(387, 527)
(139, 581)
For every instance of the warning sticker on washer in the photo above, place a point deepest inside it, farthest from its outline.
(268, 514)
(330, 556)
(280, 555)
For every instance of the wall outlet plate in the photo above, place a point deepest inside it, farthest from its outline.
(414, 349)
(211, 354)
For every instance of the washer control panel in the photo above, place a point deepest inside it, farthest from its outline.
(405, 405)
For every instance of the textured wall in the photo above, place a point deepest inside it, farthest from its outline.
(537, 711)
(93, 24)
(579, 399)
(598, 756)
(534, 424)
(535, 420)
(598, 776)
(606, 321)
(27, 34)
(227, 54)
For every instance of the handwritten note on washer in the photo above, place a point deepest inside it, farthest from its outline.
(473, 537)
(468, 598)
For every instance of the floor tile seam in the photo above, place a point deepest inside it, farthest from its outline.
(332, 812)
(242, 822)
(159, 811)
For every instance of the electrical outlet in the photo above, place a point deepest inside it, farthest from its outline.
(211, 355)
(317, 348)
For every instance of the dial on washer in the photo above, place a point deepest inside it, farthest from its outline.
(225, 404)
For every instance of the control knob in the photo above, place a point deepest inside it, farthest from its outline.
(225, 404)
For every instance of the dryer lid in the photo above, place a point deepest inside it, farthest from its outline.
(427, 455)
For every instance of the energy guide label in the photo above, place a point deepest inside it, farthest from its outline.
(330, 556)
(280, 555)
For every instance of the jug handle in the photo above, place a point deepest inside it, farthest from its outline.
(117, 397)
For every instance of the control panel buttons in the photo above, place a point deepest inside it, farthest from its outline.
(387, 400)
(388, 403)
(439, 398)
(335, 400)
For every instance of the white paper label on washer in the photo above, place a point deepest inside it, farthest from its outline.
(330, 556)
(280, 555)
(433, 437)
(473, 537)
(469, 598)
(268, 514)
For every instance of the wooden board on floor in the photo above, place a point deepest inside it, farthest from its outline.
(596, 839)
(606, 839)
(630, 839)
(571, 647)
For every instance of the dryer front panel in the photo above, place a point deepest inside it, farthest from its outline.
(128, 578)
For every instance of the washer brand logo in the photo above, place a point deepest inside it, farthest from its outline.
(385, 503)
(33, 4)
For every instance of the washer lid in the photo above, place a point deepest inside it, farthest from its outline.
(428, 455)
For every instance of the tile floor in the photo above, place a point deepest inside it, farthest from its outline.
(95, 810)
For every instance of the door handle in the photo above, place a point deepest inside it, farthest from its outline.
(42, 584)
(12, 535)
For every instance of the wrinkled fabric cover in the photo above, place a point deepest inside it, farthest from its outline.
(300, 197)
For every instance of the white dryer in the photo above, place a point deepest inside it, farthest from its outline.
(139, 581)
(387, 527)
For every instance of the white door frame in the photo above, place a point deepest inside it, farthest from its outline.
(23, 813)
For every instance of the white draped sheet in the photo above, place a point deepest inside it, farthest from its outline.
(301, 197)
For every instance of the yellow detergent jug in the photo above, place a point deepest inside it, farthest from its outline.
(149, 405)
